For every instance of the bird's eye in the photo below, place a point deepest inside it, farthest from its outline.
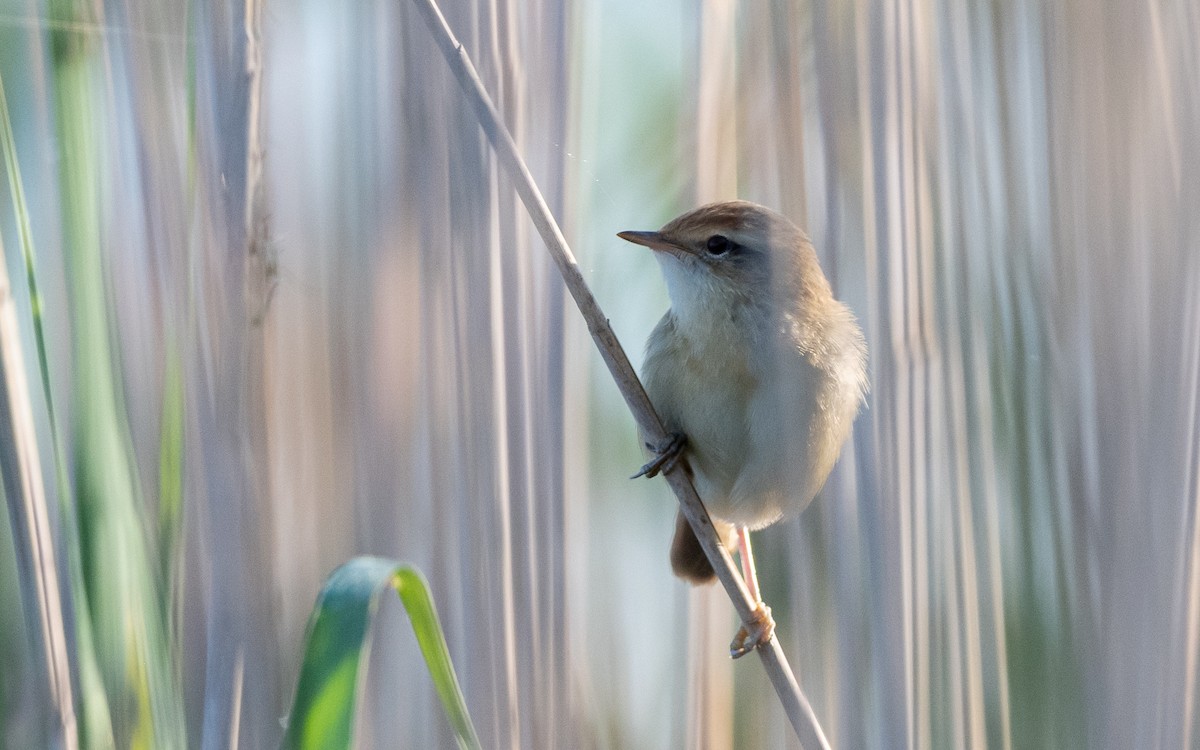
(719, 245)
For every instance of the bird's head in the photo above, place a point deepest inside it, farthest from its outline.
(731, 253)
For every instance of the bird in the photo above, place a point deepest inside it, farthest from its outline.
(757, 373)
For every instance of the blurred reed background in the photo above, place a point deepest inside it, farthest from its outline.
(292, 313)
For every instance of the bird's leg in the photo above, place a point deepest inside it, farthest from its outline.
(666, 456)
(762, 630)
(749, 574)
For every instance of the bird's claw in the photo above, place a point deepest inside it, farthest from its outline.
(666, 456)
(760, 633)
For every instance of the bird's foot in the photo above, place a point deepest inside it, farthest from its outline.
(665, 456)
(760, 633)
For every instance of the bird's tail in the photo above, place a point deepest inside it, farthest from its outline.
(688, 560)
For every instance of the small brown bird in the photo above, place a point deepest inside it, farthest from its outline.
(756, 371)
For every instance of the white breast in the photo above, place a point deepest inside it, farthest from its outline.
(763, 433)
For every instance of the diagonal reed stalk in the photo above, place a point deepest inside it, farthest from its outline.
(798, 710)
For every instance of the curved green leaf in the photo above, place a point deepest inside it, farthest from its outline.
(336, 645)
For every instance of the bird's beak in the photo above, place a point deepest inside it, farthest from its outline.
(654, 241)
